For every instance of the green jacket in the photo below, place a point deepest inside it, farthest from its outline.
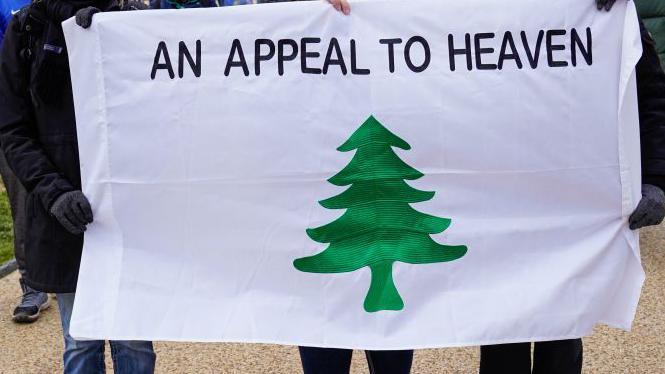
(653, 14)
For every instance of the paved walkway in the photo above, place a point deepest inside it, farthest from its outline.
(37, 348)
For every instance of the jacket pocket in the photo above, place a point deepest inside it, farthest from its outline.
(51, 76)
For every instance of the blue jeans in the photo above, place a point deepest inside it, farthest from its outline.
(338, 361)
(87, 357)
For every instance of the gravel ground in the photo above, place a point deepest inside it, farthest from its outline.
(37, 348)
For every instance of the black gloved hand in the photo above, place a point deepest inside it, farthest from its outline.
(84, 16)
(651, 209)
(605, 4)
(73, 211)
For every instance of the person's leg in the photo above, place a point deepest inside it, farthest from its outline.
(325, 360)
(505, 358)
(32, 303)
(389, 362)
(133, 357)
(80, 357)
(558, 357)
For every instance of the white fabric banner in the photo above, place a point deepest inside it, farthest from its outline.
(422, 173)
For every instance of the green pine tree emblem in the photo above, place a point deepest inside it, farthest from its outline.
(379, 226)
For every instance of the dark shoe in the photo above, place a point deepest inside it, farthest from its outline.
(32, 303)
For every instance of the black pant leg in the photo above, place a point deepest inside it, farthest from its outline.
(17, 199)
(389, 362)
(558, 357)
(505, 359)
(325, 360)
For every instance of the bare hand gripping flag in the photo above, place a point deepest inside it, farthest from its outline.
(418, 174)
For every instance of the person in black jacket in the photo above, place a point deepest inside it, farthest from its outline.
(566, 356)
(38, 138)
(32, 301)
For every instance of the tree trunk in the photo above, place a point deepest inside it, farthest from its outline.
(382, 294)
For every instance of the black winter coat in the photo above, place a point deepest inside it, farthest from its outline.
(38, 137)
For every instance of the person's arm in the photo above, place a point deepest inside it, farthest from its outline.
(651, 105)
(20, 141)
(18, 133)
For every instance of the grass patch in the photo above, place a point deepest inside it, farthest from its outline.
(6, 229)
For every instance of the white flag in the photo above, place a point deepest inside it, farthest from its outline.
(418, 174)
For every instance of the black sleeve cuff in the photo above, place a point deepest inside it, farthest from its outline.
(656, 180)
